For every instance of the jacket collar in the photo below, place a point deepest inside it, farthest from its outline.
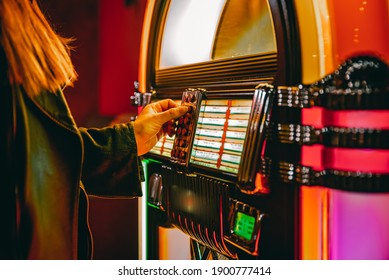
(56, 108)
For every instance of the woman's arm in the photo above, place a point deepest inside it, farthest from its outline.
(111, 165)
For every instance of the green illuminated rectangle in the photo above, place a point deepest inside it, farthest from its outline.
(244, 225)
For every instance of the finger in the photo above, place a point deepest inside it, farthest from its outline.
(163, 105)
(172, 114)
(145, 147)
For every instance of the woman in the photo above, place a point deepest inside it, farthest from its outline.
(51, 163)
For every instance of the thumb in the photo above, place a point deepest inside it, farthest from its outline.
(172, 114)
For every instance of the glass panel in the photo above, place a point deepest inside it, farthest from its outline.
(245, 28)
(220, 134)
(189, 31)
(201, 30)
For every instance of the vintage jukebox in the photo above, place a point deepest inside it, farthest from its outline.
(283, 153)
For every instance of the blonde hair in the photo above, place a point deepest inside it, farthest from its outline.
(38, 58)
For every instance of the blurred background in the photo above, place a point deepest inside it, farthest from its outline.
(107, 37)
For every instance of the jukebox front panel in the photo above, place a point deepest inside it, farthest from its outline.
(195, 191)
(209, 184)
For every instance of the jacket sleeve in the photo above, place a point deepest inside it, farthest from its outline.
(111, 166)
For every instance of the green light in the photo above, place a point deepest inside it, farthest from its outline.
(244, 225)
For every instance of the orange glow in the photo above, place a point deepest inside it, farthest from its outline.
(316, 40)
(359, 27)
(261, 184)
(310, 50)
(327, 38)
(144, 45)
(311, 226)
(163, 245)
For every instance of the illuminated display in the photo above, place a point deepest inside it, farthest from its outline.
(163, 147)
(219, 137)
(244, 225)
(220, 134)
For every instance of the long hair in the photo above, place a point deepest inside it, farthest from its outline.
(38, 58)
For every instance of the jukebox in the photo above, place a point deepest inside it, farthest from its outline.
(283, 153)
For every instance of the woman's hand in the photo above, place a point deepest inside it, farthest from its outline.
(154, 121)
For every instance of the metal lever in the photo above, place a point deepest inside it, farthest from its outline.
(141, 99)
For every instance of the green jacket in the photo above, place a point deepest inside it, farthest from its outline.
(51, 163)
